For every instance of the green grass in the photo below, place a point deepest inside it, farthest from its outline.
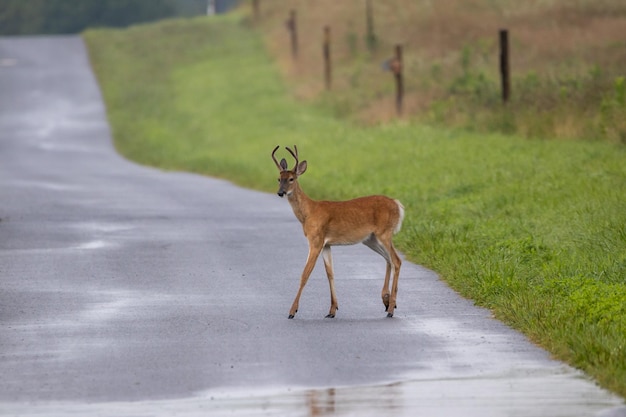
(534, 230)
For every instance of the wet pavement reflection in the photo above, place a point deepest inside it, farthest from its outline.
(523, 392)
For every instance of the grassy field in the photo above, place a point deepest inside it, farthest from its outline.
(534, 230)
(567, 62)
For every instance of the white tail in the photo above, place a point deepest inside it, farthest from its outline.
(369, 220)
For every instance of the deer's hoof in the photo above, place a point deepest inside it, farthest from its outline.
(290, 316)
(387, 307)
(330, 316)
(389, 315)
(386, 301)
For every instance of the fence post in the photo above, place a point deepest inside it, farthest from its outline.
(396, 68)
(293, 30)
(505, 69)
(370, 35)
(255, 10)
(327, 62)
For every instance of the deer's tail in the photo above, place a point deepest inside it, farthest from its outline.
(400, 217)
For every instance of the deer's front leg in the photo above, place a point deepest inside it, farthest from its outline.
(314, 253)
(328, 264)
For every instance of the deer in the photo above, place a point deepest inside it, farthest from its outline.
(371, 220)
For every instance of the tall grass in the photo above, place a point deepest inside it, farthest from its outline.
(534, 230)
(567, 60)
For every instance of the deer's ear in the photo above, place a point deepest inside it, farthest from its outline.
(283, 164)
(301, 168)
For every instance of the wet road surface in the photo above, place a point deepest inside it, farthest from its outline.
(130, 291)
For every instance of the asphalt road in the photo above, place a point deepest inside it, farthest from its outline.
(130, 291)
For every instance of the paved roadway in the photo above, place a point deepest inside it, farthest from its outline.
(130, 291)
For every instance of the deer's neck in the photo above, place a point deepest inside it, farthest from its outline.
(300, 203)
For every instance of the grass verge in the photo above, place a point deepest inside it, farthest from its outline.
(534, 230)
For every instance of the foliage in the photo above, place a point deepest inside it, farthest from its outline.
(19, 17)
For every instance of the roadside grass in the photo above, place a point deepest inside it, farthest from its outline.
(534, 230)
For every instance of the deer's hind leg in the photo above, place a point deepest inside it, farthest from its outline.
(384, 247)
(396, 263)
(328, 264)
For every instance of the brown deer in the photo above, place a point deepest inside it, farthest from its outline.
(369, 220)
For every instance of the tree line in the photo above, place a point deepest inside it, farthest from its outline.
(27, 17)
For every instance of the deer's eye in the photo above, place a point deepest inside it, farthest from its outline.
(290, 179)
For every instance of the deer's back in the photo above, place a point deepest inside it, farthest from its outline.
(352, 221)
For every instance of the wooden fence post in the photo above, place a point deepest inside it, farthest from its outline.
(396, 68)
(505, 69)
(327, 61)
(370, 35)
(293, 30)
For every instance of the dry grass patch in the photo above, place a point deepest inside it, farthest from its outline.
(566, 58)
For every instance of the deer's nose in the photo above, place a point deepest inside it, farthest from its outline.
(281, 193)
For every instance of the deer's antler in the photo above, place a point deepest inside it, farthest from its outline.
(295, 155)
(280, 168)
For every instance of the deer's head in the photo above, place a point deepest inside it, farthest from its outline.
(288, 178)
